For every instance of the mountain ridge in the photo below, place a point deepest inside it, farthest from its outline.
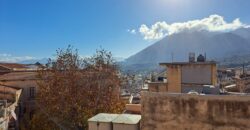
(216, 45)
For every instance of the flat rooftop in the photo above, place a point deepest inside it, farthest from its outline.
(116, 118)
(103, 117)
(188, 63)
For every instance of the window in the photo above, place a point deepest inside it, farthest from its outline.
(32, 92)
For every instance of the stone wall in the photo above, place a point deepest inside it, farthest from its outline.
(163, 111)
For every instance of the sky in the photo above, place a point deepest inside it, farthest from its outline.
(33, 29)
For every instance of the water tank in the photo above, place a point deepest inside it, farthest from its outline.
(102, 121)
(191, 57)
(200, 58)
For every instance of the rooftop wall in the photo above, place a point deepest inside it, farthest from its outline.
(198, 74)
(158, 87)
(163, 111)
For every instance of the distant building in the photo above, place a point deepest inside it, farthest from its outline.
(243, 84)
(183, 77)
(9, 67)
(225, 75)
(15, 67)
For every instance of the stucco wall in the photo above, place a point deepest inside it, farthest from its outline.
(126, 127)
(100, 126)
(163, 111)
(199, 74)
(158, 87)
(174, 78)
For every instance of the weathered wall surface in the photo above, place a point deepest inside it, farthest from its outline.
(174, 78)
(158, 87)
(195, 73)
(163, 111)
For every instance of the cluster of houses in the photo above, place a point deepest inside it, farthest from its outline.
(195, 77)
(18, 88)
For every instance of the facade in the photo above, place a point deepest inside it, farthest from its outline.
(183, 77)
(27, 81)
(9, 97)
(133, 109)
(176, 111)
(25, 78)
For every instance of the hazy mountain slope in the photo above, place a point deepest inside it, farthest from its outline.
(235, 60)
(42, 61)
(243, 32)
(215, 45)
(161, 50)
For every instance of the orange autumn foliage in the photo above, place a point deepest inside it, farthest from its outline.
(75, 89)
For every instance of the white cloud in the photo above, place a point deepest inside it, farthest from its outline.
(132, 31)
(212, 23)
(4, 55)
(14, 59)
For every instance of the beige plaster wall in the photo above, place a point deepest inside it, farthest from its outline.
(164, 111)
(174, 78)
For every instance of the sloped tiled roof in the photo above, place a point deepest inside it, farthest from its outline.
(19, 76)
(13, 65)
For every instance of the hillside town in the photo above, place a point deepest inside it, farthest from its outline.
(194, 91)
(124, 65)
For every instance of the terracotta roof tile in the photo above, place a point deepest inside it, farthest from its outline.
(13, 65)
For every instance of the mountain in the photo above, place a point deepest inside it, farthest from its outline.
(243, 32)
(216, 46)
(33, 61)
(235, 61)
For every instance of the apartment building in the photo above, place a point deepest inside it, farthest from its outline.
(183, 77)
(25, 78)
(9, 97)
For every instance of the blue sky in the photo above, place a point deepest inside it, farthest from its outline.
(36, 28)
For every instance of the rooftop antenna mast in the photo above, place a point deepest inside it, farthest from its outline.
(205, 55)
(172, 56)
